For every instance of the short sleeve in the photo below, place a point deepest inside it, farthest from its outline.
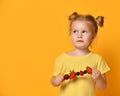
(58, 66)
(102, 65)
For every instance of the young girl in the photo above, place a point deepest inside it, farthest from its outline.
(81, 82)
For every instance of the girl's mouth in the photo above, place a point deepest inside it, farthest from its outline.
(80, 41)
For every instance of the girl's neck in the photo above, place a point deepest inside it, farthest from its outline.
(79, 52)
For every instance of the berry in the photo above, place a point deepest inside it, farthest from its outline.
(77, 73)
(89, 70)
(72, 75)
(85, 71)
(81, 73)
(66, 77)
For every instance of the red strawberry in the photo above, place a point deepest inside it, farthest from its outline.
(72, 75)
(89, 70)
(81, 73)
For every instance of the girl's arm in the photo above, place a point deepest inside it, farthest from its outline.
(99, 78)
(101, 82)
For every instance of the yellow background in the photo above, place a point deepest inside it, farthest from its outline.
(34, 32)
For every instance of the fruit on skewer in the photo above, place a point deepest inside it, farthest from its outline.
(81, 73)
(72, 75)
(66, 77)
(89, 70)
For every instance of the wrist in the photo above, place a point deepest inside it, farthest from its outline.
(98, 78)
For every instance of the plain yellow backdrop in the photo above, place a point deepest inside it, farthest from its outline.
(34, 32)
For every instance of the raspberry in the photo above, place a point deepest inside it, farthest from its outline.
(81, 73)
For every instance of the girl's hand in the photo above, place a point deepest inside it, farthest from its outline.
(99, 78)
(58, 79)
(96, 74)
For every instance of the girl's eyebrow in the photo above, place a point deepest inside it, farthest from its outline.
(74, 30)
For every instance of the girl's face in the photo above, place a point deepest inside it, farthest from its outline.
(82, 34)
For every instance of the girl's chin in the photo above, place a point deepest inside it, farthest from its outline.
(81, 47)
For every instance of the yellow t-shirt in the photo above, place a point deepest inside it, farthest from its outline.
(80, 85)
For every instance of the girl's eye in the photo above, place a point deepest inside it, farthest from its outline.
(75, 31)
(84, 32)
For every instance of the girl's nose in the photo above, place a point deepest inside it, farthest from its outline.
(79, 35)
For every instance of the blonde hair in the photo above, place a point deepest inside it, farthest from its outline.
(94, 21)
